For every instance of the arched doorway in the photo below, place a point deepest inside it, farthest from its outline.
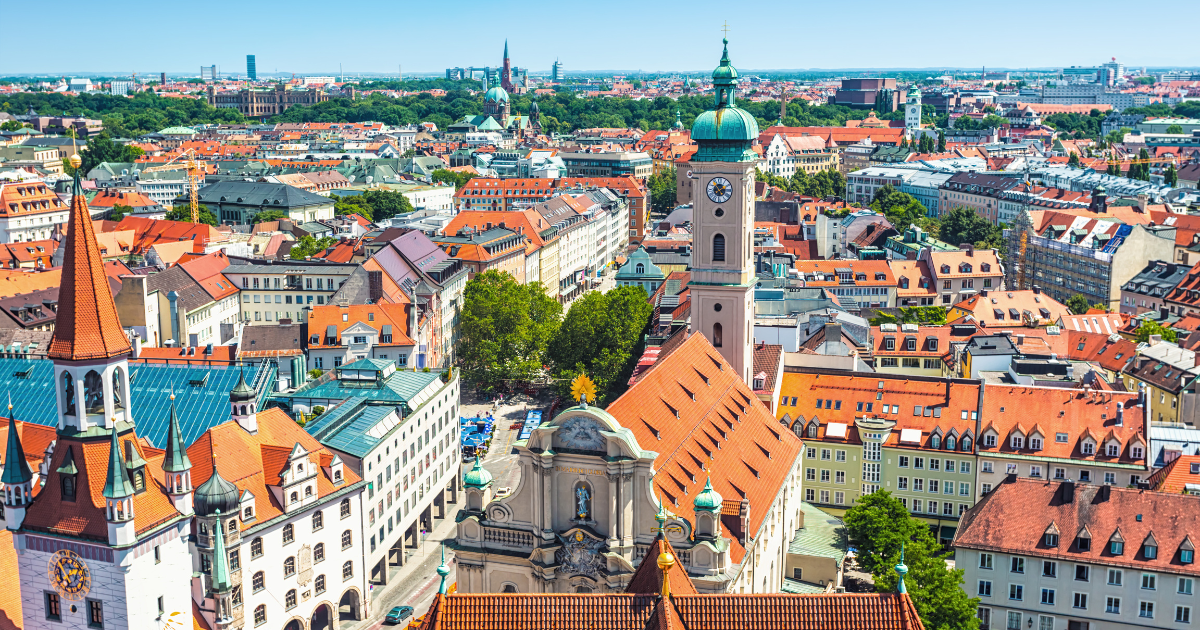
(322, 618)
(349, 607)
(294, 624)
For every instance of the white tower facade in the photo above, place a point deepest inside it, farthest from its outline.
(912, 113)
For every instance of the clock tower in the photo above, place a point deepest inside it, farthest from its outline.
(723, 275)
(912, 113)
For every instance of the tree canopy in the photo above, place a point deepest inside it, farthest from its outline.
(102, 149)
(506, 329)
(663, 191)
(453, 177)
(879, 527)
(598, 337)
(376, 204)
(902, 210)
(309, 246)
(268, 215)
(182, 211)
(1151, 327)
(964, 225)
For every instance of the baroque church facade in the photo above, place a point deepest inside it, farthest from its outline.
(688, 451)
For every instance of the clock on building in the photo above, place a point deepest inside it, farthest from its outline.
(69, 575)
(719, 189)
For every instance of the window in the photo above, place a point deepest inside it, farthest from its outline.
(1146, 610)
(826, 454)
(904, 461)
(1051, 540)
(320, 584)
(1017, 565)
(1116, 547)
(289, 566)
(260, 615)
(1048, 596)
(985, 588)
(1045, 623)
(1080, 601)
(1187, 556)
(1185, 586)
(1114, 577)
(347, 570)
(289, 600)
(1014, 620)
(718, 252)
(346, 539)
(1113, 605)
(717, 335)
(237, 596)
(1149, 581)
(235, 559)
(1083, 544)
(256, 547)
(810, 474)
(289, 533)
(1183, 614)
(53, 607)
(95, 613)
(258, 582)
(318, 552)
(345, 508)
(1049, 568)
(841, 456)
(839, 477)
(902, 483)
(1150, 551)
(1016, 592)
(825, 475)
(318, 520)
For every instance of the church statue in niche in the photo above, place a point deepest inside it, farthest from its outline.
(583, 501)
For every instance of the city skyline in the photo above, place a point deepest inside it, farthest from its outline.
(821, 32)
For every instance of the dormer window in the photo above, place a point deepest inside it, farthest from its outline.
(933, 344)
(945, 269)
(1136, 452)
(984, 267)
(935, 442)
(966, 444)
(1150, 551)
(1035, 444)
(1112, 450)
(889, 343)
(1050, 540)
(1088, 447)
(950, 443)
(1017, 442)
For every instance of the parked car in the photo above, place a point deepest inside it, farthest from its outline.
(503, 492)
(398, 614)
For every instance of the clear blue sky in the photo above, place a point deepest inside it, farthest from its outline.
(312, 37)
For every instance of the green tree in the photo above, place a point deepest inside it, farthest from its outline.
(663, 191)
(880, 529)
(963, 225)
(119, 211)
(268, 215)
(1151, 327)
(598, 337)
(451, 177)
(941, 143)
(930, 315)
(353, 204)
(901, 209)
(1073, 160)
(1174, 129)
(11, 125)
(309, 246)
(1171, 177)
(182, 211)
(506, 329)
(1078, 304)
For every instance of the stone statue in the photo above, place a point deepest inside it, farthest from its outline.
(583, 498)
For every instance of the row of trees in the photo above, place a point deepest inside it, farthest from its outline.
(926, 144)
(959, 225)
(826, 183)
(373, 205)
(123, 117)
(514, 333)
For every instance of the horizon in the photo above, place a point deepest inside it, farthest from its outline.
(817, 38)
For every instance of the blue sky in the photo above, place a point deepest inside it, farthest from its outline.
(313, 37)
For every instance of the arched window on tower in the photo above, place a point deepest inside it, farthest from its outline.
(93, 392)
(716, 335)
(118, 394)
(68, 385)
(639, 268)
(718, 250)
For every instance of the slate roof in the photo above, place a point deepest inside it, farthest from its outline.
(259, 194)
(272, 341)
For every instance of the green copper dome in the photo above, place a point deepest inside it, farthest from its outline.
(725, 133)
(495, 94)
(216, 495)
(477, 477)
(725, 71)
(708, 499)
(727, 123)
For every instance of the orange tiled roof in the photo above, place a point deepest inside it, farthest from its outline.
(1072, 412)
(374, 315)
(1179, 473)
(983, 308)
(87, 323)
(749, 454)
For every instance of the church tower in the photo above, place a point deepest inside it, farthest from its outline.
(723, 223)
(506, 72)
(912, 113)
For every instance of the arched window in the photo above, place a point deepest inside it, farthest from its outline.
(307, 491)
(320, 582)
(950, 443)
(337, 475)
(319, 552)
(318, 520)
(347, 570)
(347, 540)
(118, 393)
(936, 441)
(259, 582)
(345, 508)
(639, 268)
(68, 385)
(203, 528)
(509, 588)
(256, 547)
(232, 525)
(717, 335)
(289, 566)
(68, 487)
(260, 614)
(242, 412)
(812, 430)
(966, 444)
(293, 497)
(289, 533)
(718, 249)
(93, 393)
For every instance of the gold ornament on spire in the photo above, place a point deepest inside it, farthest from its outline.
(583, 390)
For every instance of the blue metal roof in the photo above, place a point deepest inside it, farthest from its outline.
(345, 427)
(399, 387)
(200, 406)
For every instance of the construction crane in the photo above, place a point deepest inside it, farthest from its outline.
(194, 170)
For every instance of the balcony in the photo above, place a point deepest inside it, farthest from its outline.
(494, 536)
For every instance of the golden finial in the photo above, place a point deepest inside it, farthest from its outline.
(583, 390)
(10, 403)
(665, 562)
(75, 160)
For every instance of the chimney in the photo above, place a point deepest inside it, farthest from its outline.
(1067, 492)
(374, 286)
(1162, 313)
(1120, 414)
(1037, 290)
(1141, 201)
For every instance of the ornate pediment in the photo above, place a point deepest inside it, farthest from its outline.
(580, 554)
(581, 433)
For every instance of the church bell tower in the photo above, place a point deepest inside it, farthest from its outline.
(723, 275)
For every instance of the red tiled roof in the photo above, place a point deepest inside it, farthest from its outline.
(1014, 517)
(1179, 473)
(87, 326)
(691, 406)
(1072, 412)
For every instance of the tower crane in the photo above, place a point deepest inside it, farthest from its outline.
(194, 170)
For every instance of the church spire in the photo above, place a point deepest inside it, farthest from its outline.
(506, 49)
(220, 563)
(16, 469)
(443, 571)
(87, 323)
(117, 484)
(175, 459)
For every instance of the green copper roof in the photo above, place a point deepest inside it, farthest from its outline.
(220, 565)
(708, 499)
(727, 124)
(477, 477)
(16, 469)
(495, 94)
(725, 71)
(117, 486)
(68, 464)
(241, 391)
(725, 133)
(175, 460)
(442, 569)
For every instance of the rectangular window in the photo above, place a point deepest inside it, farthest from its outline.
(902, 483)
(1185, 586)
(839, 477)
(841, 456)
(1146, 610)
(53, 607)
(1016, 592)
(985, 588)
(1017, 565)
(1014, 621)
(1082, 573)
(810, 474)
(1183, 614)
(904, 461)
(1080, 601)
(824, 496)
(985, 561)
(825, 476)
(95, 613)
(1114, 577)
(1113, 605)
(1049, 568)
(825, 454)
(1048, 596)
(839, 498)
(1149, 581)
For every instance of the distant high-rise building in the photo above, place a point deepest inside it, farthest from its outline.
(556, 71)
(162, 78)
(208, 72)
(251, 71)
(121, 88)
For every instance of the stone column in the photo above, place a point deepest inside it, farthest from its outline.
(548, 482)
(627, 511)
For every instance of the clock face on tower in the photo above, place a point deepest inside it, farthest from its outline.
(69, 575)
(719, 189)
